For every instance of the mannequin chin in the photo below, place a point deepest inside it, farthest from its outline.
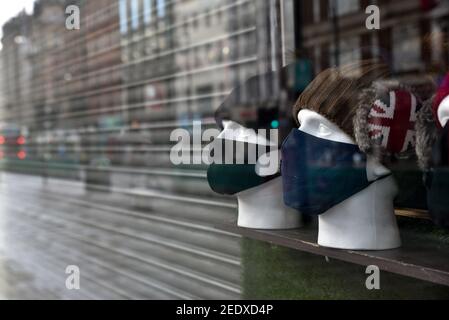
(366, 220)
(261, 207)
(443, 111)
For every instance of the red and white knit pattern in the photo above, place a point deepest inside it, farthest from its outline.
(393, 122)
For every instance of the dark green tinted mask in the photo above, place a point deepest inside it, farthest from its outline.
(234, 178)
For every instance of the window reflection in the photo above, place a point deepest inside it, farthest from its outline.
(137, 63)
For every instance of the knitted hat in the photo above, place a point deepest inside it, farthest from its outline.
(442, 93)
(335, 92)
(384, 125)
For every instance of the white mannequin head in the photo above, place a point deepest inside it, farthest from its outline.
(443, 111)
(261, 207)
(366, 220)
(318, 126)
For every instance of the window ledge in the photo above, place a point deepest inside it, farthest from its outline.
(418, 258)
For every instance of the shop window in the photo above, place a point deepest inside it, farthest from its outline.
(135, 14)
(147, 4)
(207, 20)
(436, 39)
(161, 8)
(343, 7)
(316, 11)
(123, 16)
(348, 51)
(406, 47)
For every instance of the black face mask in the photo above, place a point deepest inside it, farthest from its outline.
(233, 178)
(437, 180)
(261, 102)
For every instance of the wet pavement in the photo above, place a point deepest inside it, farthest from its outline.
(121, 252)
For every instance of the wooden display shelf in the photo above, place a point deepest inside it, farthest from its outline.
(413, 213)
(418, 258)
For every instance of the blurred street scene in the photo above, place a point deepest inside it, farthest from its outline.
(122, 253)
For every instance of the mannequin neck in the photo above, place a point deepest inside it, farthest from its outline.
(263, 207)
(365, 221)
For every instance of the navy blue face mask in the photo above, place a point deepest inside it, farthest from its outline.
(318, 174)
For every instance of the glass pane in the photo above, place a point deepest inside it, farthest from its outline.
(110, 112)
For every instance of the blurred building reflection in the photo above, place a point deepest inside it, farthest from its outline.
(412, 40)
(108, 94)
(16, 67)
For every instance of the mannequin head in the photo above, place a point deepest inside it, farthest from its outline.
(258, 103)
(443, 112)
(235, 131)
(365, 220)
(440, 103)
(320, 127)
(261, 207)
(326, 173)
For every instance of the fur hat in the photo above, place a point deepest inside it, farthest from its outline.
(428, 126)
(384, 125)
(426, 134)
(335, 92)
